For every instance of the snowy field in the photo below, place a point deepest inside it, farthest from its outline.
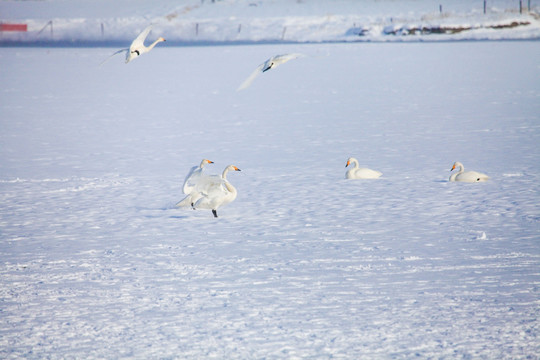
(96, 262)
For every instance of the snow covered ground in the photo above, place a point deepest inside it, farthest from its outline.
(245, 21)
(97, 263)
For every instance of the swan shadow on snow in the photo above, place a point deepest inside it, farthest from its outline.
(157, 212)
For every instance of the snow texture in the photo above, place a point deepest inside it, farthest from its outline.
(97, 262)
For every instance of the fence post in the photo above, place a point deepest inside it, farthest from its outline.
(47, 24)
(485, 5)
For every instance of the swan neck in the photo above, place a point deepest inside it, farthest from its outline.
(224, 175)
(355, 162)
(231, 188)
(153, 44)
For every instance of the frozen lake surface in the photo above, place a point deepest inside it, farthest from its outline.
(96, 262)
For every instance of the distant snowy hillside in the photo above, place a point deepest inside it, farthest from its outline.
(237, 21)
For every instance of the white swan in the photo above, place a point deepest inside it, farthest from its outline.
(192, 183)
(360, 173)
(194, 176)
(466, 176)
(271, 63)
(216, 191)
(137, 47)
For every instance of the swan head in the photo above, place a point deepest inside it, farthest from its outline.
(160, 39)
(457, 164)
(206, 161)
(268, 67)
(227, 169)
(349, 161)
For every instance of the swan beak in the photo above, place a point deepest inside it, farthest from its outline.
(209, 161)
(453, 167)
(348, 163)
(236, 169)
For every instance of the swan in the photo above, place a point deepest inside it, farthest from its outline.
(360, 173)
(191, 184)
(194, 176)
(216, 191)
(137, 47)
(271, 63)
(466, 176)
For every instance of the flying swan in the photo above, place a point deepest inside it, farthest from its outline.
(466, 176)
(137, 47)
(271, 63)
(211, 192)
(360, 173)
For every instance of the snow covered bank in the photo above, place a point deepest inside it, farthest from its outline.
(242, 21)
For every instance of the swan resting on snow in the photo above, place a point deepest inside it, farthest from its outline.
(193, 177)
(360, 173)
(137, 47)
(466, 176)
(211, 192)
(271, 63)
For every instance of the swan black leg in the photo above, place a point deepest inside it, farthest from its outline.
(214, 212)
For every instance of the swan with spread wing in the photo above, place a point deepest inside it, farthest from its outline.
(192, 178)
(137, 47)
(211, 192)
(271, 63)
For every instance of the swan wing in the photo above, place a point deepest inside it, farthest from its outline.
(214, 195)
(216, 199)
(191, 179)
(251, 77)
(115, 53)
(471, 176)
(363, 173)
(282, 59)
(196, 186)
(211, 185)
(185, 202)
(139, 40)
